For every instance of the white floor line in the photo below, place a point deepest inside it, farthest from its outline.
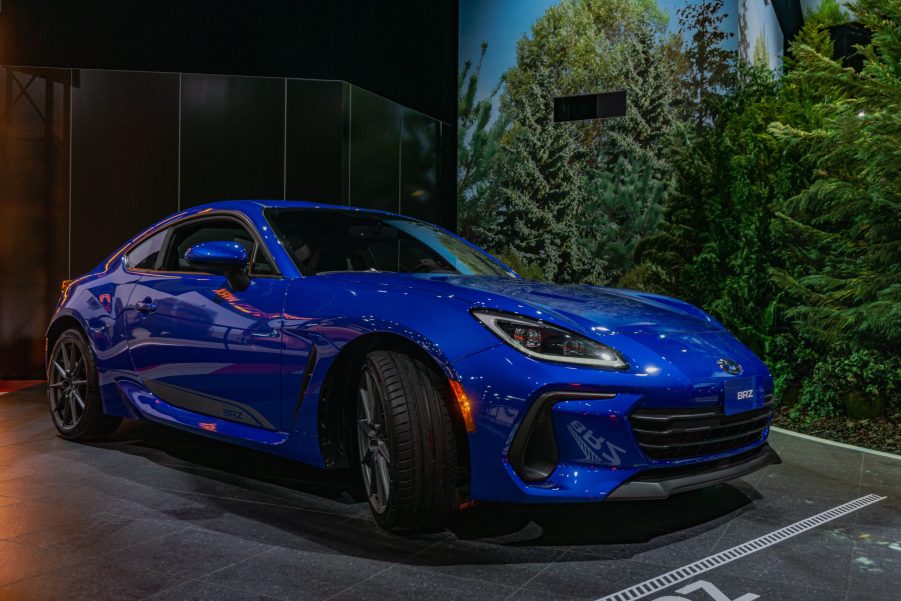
(654, 585)
(842, 445)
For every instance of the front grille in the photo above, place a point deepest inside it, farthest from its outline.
(686, 433)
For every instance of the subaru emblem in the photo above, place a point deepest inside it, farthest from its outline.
(729, 366)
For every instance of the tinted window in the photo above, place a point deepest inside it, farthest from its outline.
(145, 254)
(213, 230)
(324, 240)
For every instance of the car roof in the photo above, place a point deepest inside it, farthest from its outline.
(244, 205)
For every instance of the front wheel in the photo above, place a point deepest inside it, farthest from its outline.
(73, 391)
(407, 450)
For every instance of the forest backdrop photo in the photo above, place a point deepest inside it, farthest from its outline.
(757, 176)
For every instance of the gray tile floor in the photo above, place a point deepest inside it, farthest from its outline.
(157, 514)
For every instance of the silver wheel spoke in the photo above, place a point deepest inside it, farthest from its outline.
(375, 460)
(383, 481)
(73, 410)
(78, 400)
(56, 385)
(66, 410)
(365, 405)
(79, 382)
(384, 471)
(64, 354)
(372, 390)
(59, 368)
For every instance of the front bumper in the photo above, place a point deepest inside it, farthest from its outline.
(585, 414)
(660, 484)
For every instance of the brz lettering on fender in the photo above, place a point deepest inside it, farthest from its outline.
(589, 443)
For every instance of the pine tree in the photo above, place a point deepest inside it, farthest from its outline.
(539, 186)
(709, 64)
(624, 206)
(478, 141)
(641, 137)
(550, 170)
(847, 223)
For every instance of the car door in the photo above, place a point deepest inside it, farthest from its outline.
(198, 344)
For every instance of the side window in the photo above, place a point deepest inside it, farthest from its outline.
(145, 254)
(213, 230)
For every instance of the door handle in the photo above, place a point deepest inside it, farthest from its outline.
(145, 306)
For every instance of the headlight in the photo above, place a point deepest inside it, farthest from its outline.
(550, 343)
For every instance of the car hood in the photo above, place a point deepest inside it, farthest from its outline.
(597, 309)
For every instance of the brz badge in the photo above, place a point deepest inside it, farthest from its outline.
(729, 366)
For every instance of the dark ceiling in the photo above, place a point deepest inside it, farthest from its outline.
(405, 50)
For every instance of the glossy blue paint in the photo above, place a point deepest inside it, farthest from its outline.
(250, 366)
(217, 256)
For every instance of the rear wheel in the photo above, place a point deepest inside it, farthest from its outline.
(407, 451)
(73, 390)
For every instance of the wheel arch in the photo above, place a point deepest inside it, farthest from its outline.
(336, 399)
(57, 327)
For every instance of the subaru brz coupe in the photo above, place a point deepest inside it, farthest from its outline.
(342, 337)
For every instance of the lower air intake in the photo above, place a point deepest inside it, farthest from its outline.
(665, 434)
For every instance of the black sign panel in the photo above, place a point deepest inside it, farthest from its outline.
(603, 105)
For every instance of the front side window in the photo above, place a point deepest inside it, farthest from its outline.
(213, 230)
(321, 240)
(144, 256)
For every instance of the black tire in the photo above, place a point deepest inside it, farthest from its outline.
(73, 390)
(418, 433)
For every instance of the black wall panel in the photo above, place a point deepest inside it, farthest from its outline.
(419, 167)
(124, 158)
(34, 179)
(232, 138)
(374, 150)
(314, 131)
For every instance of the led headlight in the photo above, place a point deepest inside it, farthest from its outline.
(550, 343)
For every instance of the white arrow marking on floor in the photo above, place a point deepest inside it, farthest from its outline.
(654, 585)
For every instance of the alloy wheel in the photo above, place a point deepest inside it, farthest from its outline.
(372, 438)
(68, 384)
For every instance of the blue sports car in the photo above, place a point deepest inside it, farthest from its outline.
(343, 337)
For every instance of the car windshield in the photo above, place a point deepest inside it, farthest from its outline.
(324, 240)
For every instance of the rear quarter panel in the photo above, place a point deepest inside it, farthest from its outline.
(99, 303)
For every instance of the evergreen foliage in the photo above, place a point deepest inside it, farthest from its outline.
(709, 63)
(846, 276)
(549, 173)
(625, 205)
(827, 14)
(478, 141)
(539, 185)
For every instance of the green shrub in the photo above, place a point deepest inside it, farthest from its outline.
(852, 383)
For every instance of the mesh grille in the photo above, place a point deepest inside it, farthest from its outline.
(685, 433)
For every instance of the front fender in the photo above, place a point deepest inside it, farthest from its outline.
(331, 322)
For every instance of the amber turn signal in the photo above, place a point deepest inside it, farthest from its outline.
(464, 404)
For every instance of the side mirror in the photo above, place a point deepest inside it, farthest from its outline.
(225, 258)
